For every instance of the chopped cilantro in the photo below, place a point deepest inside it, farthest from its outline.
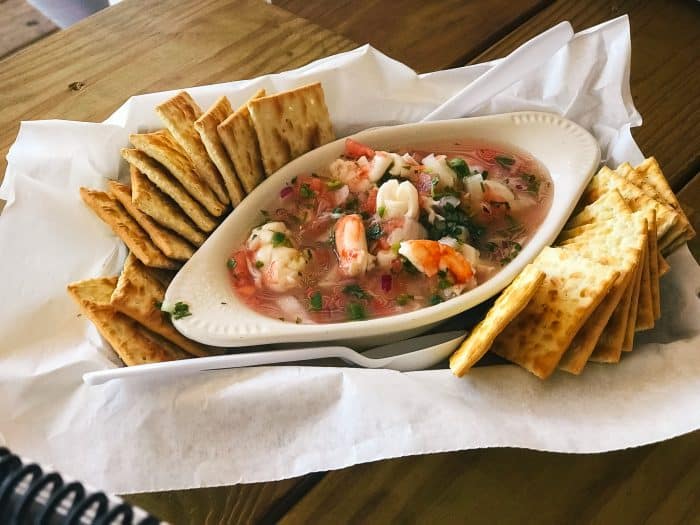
(315, 301)
(334, 184)
(365, 215)
(181, 310)
(395, 247)
(259, 264)
(231, 263)
(459, 166)
(355, 291)
(408, 266)
(505, 161)
(404, 299)
(454, 222)
(381, 211)
(279, 239)
(484, 174)
(356, 312)
(306, 192)
(434, 299)
(374, 232)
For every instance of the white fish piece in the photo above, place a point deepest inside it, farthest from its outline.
(475, 187)
(398, 200)
(380, 163)
(438, 165)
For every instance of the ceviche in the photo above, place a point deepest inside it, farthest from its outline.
(378, 233)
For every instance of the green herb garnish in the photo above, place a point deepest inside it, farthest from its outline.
(381, 211)
(453, 224)
(279, 239)
(396, 247)
(315, 302)
(505, 161)
(306, 192)
(408, 266)
(374, 232)
(356, 312)
(459, 166)
(231, 263)
(434, 299)
(334, 184)
(259, 264)
(404, 299)
(355, 291)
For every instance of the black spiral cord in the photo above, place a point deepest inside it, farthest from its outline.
(28, 496)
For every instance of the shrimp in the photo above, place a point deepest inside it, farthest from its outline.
(353, 173)
(351, 246)
(429, 257)
(276, 263)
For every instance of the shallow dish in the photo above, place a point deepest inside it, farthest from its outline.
(568, 152)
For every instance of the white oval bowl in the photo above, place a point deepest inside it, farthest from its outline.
(567, 151)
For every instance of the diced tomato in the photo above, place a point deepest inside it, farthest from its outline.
(240, 276)
(355, 150)
(370, 205)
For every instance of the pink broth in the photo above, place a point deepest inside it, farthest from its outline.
(485, 208)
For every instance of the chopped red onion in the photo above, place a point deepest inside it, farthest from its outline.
(386, 282)
(286, 191)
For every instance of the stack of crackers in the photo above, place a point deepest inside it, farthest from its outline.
(584, 299)
(184, 179)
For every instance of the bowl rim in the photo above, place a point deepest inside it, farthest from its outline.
(270, 330)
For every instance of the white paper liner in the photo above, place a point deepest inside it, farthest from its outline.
(270, 423)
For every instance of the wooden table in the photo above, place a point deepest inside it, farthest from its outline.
(87, 71)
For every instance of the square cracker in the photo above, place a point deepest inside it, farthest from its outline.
(168, 185)
(608, 205)
(161, 208)
(573, 288)
(132, 342)
(137, 294)
(206, 127)
(162, 147)
(511, 302)
(607, 180)
(238, 137)
(608, 348)
(171, 244)
(619, 244)
(289, 124)
(126, 228)
(179, 114)
(649, 177)
(589, 233)
(645, 309)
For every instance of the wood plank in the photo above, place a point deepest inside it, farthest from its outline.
(664, 76)
(425, 35)
(87, 71)
(248, 503)
(656, 484)
(20, 25)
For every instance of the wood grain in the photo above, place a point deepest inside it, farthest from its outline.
(217, 505)
(655, 484)
(20, 25)
(664, 77)
(90, 69)
(425, 35)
